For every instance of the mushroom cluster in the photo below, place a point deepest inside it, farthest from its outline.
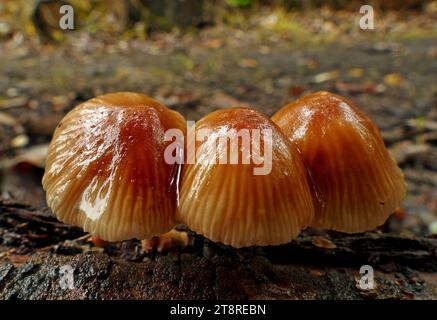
(106, 171)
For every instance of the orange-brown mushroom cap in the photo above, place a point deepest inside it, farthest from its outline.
(105, 169)
(231, 203)
(357, 183)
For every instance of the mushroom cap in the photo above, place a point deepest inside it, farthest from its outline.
(105, 169)
(357, 184)
(228, 202)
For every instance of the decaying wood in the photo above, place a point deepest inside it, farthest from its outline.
(318, 265)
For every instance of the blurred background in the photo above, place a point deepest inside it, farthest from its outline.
(197, 56)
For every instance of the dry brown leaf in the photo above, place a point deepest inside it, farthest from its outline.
(356, 72)
(394, 79)
(19, 141)
(326, 76)
(35, 155)
(8, 120)
(248, 63)
(213, 43)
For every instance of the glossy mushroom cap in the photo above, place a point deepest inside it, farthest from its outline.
(232, 202)
(105, 169)
(357, 183)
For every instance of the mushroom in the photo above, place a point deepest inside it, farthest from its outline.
(357, 184)
(105, 169)
(246, 184)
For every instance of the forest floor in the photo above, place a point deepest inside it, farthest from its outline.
(390, 75)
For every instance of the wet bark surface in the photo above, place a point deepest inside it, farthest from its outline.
(317, 265)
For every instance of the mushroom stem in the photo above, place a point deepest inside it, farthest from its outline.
(98, 242)
(172, 240)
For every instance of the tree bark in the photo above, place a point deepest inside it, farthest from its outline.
(317, 265)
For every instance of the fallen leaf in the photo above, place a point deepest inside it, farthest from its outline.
(422, 123)
(33, 104)
(13, 103)
(433, 227)
(8, 120)
(356, 88)
(59, 102)
(326, 76)
(213, 43)
(42, 126)
(248, 63)
(19, 141)
(312, 64)
(35, 155)
(220, 99)
(356, 72)
(407, 149)
(265, 50)
(394, 79)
